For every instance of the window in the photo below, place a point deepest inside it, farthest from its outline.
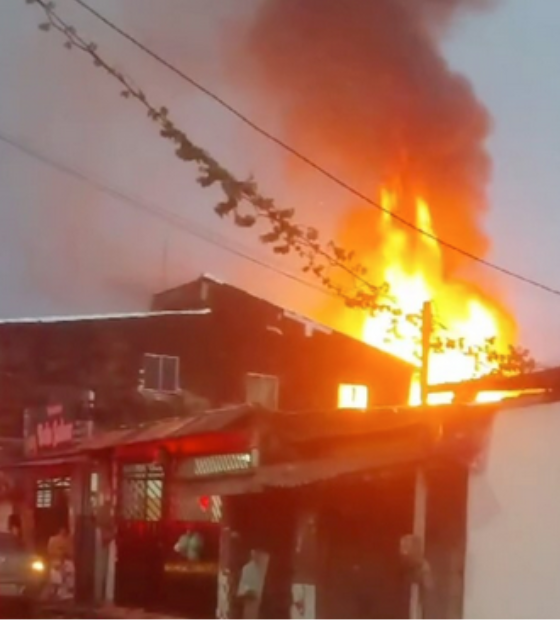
(262, 390)
(222, 464)
(142, 492)
(47, 489)
(161, 373)
(352, 396)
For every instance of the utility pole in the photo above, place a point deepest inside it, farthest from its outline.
(427, 326)
(421, 487)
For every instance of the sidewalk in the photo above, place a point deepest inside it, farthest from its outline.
(121, 612)
(74, 611)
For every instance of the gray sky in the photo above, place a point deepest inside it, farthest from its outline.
(68, 247)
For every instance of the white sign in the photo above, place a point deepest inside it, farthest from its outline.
(303, 601)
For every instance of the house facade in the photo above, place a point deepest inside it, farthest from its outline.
(205, 346)
(342, 495)
(167, 514)
(308, 361)
(75, 387)
(170, 512)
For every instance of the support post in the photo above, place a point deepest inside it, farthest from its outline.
(419, 530)
(426, 341)
(421, 489)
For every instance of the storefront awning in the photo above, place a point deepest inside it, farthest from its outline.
(291, 475)
(307, 472)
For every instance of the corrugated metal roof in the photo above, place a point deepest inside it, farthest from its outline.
(106, 439)
(375, 458)
(102, 317)
(335, 425)
(46, 460)
(173, 428)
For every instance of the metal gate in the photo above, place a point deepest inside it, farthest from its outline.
(152, 517)
(51, 508)
(139, 510)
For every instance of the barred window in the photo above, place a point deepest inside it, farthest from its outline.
(216, 465)
(142, 492)
(46, 490)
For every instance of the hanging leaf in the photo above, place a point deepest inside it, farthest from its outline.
(271, 237)
(244, 221)
(45, 27)
(186, 151)
(225, 208)
(312, 234)
(286, 214)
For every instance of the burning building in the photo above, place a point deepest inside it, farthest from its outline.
(365, 90)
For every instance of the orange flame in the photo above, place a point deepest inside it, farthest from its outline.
(412, 265)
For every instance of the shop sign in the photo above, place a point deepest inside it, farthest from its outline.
(52, 428)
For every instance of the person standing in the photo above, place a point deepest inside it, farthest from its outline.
(61, 565)
(14, 526)
(251, 584)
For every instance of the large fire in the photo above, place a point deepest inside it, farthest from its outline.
(412, 265)
(372, 95)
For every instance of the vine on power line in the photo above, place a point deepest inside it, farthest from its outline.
(243, 201)
(247, 207)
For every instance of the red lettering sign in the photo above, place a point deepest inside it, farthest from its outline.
(54, 433)
(48, 428)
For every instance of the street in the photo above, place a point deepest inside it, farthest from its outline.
(19, 610)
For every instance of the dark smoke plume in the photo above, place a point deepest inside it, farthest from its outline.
(362, 86)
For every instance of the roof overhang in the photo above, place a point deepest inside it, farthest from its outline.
(91, 318)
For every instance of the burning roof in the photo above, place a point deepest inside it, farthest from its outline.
(372, 98)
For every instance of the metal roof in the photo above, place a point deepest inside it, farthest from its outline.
(102, 317)
(546, 379)
(172, 428)
(366, 458)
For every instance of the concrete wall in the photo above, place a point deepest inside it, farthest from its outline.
(513, 539)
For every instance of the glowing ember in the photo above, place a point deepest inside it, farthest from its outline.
(413, 267)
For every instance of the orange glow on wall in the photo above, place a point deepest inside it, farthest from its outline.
(352, 396)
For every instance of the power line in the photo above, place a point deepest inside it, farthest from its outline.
(172, 219)
(310, 162)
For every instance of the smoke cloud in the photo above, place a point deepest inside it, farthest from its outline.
(362, 86)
